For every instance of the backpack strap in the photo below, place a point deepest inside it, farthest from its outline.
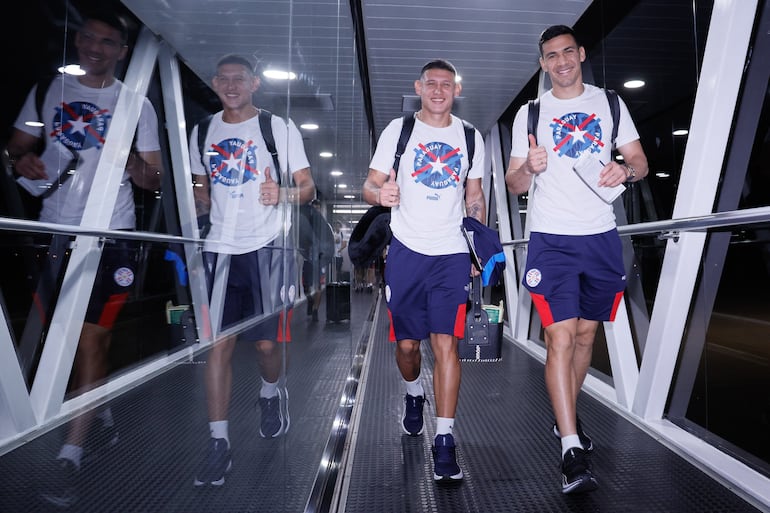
(612, 98)
(470, 142)
(533, 115)
(266, 126)
(203, 131)
(406, 133)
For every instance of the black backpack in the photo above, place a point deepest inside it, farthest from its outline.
(533, 115)
(372, 233)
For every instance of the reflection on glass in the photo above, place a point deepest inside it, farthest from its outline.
(237, 157)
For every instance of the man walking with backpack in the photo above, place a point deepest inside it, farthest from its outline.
(427, 272)
(574, 268)
(238, 193)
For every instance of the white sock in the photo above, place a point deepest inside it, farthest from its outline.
(71, 452)
(219, 429)
(444, 425)
(414, 388)
(268, 389)
(568, 442)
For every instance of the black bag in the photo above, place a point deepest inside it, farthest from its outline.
(370, 236)
(483, 338)
(338, 301)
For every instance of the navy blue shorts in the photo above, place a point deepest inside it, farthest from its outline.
(113, 283)
(255, 286)
(425, 294)
(575, 276)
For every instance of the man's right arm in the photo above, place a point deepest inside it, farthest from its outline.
(372, 187)
(518, 178)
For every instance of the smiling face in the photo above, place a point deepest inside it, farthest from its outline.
(235, 85)
(100, 47)
(561, 59)
(437, 89)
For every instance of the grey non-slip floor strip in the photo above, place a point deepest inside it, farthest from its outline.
(507, 451)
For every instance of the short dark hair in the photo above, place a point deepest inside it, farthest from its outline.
(234, 58)
(111, 19)
(439, 64)
(555, 31)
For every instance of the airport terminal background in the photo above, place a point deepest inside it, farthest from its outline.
(678, 396)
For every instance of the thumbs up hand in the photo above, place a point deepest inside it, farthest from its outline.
(268, 190)
(390, 193)
(537, 156)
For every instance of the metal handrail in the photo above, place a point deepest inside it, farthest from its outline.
(672, 227)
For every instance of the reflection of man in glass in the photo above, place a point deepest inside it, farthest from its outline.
(77, 114)
(339, 245)
(237, 191)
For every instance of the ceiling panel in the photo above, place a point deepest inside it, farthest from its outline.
(492, 43)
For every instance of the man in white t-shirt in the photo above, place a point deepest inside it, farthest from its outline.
(574, 268)
(428, 267)
(77, 113)
(237, 190)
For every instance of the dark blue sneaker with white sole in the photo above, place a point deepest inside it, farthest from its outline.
(576, 475)
(216, 464)
(445, 467)
(412, 419)
(274, 413)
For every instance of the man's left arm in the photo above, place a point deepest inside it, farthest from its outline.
(475, 206)
(635, 161)
(303, 190)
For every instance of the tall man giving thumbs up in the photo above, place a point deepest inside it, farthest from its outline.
(237, 188)
(428, 266)
(574, 268)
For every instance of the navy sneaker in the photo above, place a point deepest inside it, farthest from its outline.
(216, 464)
(274, 419)
(411, 420)
(60, 488)
(445, 467)
(585, 441)
(576, 475)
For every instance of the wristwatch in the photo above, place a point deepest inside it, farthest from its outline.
(630, 173)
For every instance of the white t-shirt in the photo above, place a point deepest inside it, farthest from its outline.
(240, 223)
(431, 177)
(561, 203)
(79, 117)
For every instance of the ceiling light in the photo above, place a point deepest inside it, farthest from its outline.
(680, 131)
(458, 79)
(336, 173)
(349, 196)
(662, 174)
(326, 154)
(633, 84)
(280, 75)
(309, 126)
(72, 69)
(343, 186)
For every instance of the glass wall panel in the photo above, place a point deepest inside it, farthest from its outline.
(723, 375)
